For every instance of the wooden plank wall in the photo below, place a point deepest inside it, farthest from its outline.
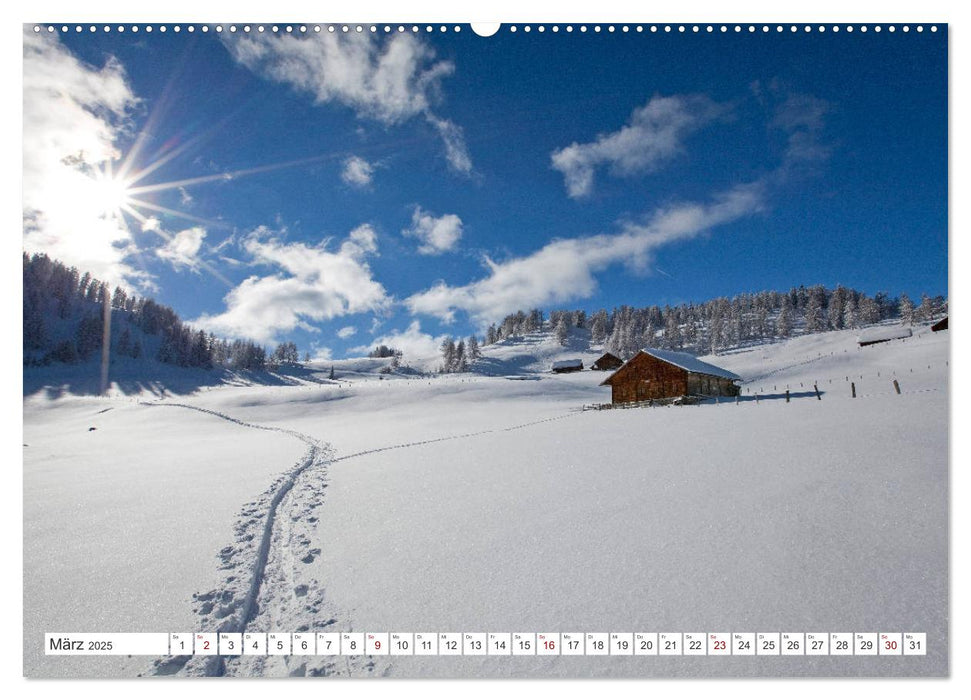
(647, 377)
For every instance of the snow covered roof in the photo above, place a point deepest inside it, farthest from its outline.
(565, 364)
(682, 360)
(872, 335)
(690, 363)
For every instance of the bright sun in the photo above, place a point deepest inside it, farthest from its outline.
(111, 194)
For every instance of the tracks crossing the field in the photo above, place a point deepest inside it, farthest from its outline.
(235, 604)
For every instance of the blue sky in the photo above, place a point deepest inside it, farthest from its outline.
(346, 190)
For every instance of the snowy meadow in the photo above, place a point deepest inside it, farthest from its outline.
(494, 502)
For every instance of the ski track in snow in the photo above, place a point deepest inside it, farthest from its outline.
(274, 592)
(236, 602)
(455, 437)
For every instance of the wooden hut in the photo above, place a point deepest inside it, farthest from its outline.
(654, 374)
(561, 366)
(607, 361)
(940, 325)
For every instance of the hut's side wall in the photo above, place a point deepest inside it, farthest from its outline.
(707, 385)
(726, 387)
(647, 377)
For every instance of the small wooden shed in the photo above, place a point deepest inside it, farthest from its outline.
(607, 361)
(561, 366)
(940, 325)
(654, 374)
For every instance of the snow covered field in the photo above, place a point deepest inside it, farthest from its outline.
(483, 503)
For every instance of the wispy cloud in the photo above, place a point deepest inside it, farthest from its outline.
(74, 116)
(653, 135)
(566, 269)
(311, 283)
(436, 234)
(346, 332)
(452, 135)
(389, 80)
(357, 172)
(802, 117)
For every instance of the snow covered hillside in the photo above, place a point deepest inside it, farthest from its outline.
(477, 502)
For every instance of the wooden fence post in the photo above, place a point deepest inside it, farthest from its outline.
(787, 396)
(853, 389)
(896, 386)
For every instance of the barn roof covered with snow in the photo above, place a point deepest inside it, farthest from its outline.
(567, 364)
(683, 360)
(883, 333)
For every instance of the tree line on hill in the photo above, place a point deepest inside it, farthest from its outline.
(65, 313)
(724, 323)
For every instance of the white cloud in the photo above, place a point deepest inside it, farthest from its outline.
(346, 332)
(182, 249)
(413, 343)
(652, 136)
(319, 353)
(311, 283)
(357, 172)
(390, 80)
(565, 269)
(74, 115)
(436, 234)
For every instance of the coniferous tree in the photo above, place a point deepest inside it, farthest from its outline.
(472, 348)
(869, 311)
(89, 335)
(925, 312)
(598, 327)
(906, 309)
(850, 314)
(448, 354)
(286, 353)
(492, 335)
(837, 302)
(124, 342)
(814, 315)
(672, 333)
(783, 322)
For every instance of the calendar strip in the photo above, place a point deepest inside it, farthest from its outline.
(488, 644)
